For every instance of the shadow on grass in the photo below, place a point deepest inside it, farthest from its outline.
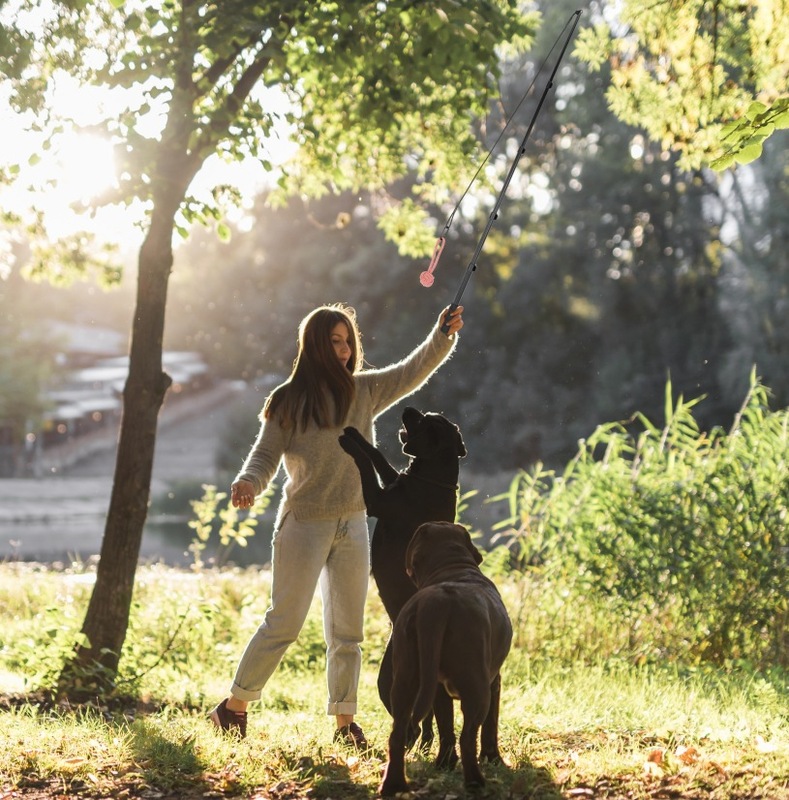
(326, 777)
(166, 762)
(517, 782)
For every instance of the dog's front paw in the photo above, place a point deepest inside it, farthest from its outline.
(391, 787)
(349, 443)
(354, 434)
(491, 756)
(352, 441)
(447, 757)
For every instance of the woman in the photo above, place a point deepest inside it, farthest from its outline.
(320, 534)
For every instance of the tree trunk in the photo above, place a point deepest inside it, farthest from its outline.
(95, 662)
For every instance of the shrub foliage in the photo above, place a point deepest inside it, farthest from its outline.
(671, 526)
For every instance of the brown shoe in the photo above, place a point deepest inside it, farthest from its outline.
(351, 736)
(232, 722)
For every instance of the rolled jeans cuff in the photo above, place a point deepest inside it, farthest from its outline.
(244, 694)
(342, 708)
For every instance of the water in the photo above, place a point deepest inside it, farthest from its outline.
(76, 537)
(79, 540)
(61, 517)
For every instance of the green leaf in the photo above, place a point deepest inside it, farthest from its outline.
(782, 120)
(223, 232)
(668, 402)
(749, 153)
(730, 127)
(723, 162)
(755, 109)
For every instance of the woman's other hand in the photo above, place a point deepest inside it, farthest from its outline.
(242, 494)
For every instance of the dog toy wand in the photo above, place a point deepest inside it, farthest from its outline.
(521, 150)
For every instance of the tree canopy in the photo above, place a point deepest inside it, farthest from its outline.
(375, 90)
(709, 80)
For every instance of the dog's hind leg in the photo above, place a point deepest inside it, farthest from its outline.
(474, 711)
(472, 774)
(404, 689)
(394, 780)
(474, 691)
(423, 733)
(489, 750)
(443, 709)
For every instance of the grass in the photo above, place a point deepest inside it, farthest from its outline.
(596, 723)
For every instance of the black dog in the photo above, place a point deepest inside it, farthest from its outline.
(425, 491)
(455, 630)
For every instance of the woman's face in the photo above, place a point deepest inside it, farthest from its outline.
(341, 342)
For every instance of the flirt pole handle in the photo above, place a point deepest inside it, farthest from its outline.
(521, 150)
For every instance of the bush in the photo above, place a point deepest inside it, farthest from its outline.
(672, 525)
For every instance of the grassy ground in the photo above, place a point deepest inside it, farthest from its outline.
(584, 728)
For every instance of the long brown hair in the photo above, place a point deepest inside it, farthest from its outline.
(318, 375)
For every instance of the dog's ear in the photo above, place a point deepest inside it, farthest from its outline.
(475, 554)
(450, 434)
(415, 551)
(409, 560)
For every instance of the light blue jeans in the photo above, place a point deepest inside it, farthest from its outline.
(336, 554)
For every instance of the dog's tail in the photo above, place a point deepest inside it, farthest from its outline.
(431, 624)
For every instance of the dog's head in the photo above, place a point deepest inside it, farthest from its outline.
(430, 435)
(440, 548)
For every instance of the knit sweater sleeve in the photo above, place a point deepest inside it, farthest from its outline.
(263, 461)
(391, 384)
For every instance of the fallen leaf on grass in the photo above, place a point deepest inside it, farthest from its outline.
(656, 756)
(74, 761)
(687, 755)
(520, 785)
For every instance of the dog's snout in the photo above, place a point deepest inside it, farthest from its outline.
(412, 416)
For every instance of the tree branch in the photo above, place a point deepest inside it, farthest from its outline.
(228, 110)
(217, 69)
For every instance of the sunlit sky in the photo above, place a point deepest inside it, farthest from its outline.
(79, 166)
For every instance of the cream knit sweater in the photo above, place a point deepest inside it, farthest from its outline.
(322, 481)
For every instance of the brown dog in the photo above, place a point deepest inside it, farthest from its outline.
(454, 630)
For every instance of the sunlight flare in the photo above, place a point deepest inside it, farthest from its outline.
(85, 165)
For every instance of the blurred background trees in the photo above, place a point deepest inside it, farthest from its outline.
(615, 265)
(611, 269)
(622, 271)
